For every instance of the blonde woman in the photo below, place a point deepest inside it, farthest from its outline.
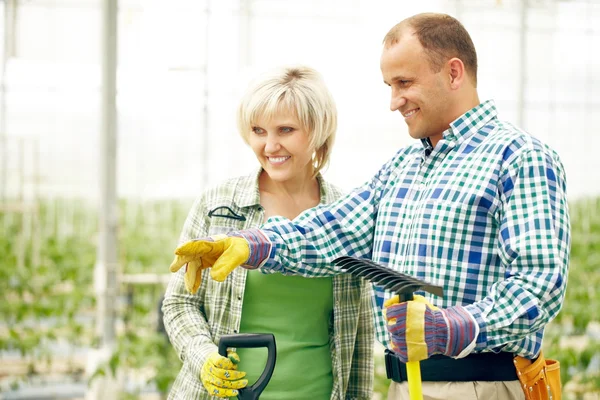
(323, 326)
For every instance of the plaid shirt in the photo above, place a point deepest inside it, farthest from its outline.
(484, 215)
(195, 323)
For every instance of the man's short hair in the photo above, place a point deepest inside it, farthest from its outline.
(442, 37)
(301, 91)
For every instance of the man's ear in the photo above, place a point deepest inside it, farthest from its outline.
(457, 73)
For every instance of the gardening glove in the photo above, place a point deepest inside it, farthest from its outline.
(419, 329)
(194, 265)
(220, 376)
(222, 253)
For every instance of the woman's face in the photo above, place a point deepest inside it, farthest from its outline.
(282, 147)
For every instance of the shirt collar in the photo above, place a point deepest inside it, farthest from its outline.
(471, 121)
(467, 124)
(247, 193)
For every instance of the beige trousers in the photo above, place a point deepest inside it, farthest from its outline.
(508, 390)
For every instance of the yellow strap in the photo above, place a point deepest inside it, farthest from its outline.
(415, 331)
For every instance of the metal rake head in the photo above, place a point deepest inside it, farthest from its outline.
(385, 277)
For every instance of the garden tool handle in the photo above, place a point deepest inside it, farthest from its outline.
(252, 340)
(413, 368)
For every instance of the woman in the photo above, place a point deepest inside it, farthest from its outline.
(323, 326)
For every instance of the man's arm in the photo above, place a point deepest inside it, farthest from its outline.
(305, 246)
(308, 244)
(534, 245)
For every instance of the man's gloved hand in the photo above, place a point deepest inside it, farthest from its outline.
(220, 376)
(222, 253)
(419, 330)
(202, 253)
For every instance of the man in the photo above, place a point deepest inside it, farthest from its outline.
(477, 206)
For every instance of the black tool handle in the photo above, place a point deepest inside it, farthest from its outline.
(405, 297)
(252, 340)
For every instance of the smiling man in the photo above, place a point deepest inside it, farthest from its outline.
(431, 66)
(476, 206)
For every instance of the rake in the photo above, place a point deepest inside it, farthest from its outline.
(404, 286)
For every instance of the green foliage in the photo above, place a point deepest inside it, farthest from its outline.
(148, 235)
(46, 272)
(566, 338)
(42, 299)
(380, 383)
(583, 299)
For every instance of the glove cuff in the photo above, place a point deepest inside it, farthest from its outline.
(197, 353)
(259, 244)
(461, 330)
(436, 332)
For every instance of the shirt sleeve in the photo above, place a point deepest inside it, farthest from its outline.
(184, 320)
(307, 245)
(360, 382)
(533, 244)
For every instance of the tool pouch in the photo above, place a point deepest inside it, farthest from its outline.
(540, 379)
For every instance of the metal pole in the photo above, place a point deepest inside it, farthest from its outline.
(107, 245)
(9, 25)
(551, 81)
(206, 95)
(522, 88)
(105, 272)
(245, 34)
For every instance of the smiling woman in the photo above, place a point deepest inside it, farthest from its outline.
(291, 99)
(325, 340)
(282, 147)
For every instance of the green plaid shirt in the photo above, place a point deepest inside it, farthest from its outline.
(484, 215)
(195, 323)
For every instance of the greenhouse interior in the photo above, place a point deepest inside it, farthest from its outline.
(116, 115)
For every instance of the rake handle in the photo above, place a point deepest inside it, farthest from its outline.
(413, 368)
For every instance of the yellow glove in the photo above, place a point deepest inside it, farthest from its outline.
(220, 376)
(221, 252)
(416, 297)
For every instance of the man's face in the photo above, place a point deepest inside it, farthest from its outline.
(421, 95)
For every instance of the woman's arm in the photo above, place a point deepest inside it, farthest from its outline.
(184, 320)
(360, 384)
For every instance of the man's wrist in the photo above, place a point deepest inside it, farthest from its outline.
(462, 330)
(259, 246)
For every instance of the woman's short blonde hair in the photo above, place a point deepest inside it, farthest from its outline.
(300, 90)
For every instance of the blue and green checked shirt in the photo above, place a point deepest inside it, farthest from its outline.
(484, 215)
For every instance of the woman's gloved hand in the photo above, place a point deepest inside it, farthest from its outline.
(220, 376)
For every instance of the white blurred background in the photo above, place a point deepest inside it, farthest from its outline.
(183, 64)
